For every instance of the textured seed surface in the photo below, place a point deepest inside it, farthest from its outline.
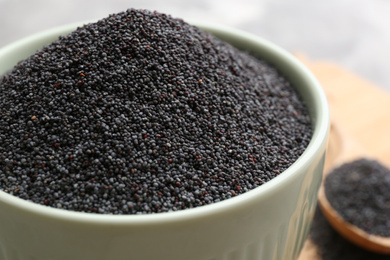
(360, 192)
(143, 113)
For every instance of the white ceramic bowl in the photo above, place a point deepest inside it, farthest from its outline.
(269, 222)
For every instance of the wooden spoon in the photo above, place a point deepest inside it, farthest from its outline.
(348, 150)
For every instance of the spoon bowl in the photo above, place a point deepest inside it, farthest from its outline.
(351, 232)
(348, 150)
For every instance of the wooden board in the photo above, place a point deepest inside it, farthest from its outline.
(360, 116)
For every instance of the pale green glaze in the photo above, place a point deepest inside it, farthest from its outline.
(269, 222)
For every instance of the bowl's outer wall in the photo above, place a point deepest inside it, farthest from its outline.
(271, 226)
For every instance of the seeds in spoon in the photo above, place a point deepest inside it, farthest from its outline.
(332, 246)
(360, 192)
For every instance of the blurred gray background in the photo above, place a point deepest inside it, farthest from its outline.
(353, 33)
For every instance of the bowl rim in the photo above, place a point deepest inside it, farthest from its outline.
(315, 146)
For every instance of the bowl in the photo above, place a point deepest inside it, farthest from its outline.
(268, 222)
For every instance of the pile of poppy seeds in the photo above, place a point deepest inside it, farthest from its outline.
(360, 192)
(143, 113)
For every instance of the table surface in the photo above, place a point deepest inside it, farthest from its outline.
(354, 34)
